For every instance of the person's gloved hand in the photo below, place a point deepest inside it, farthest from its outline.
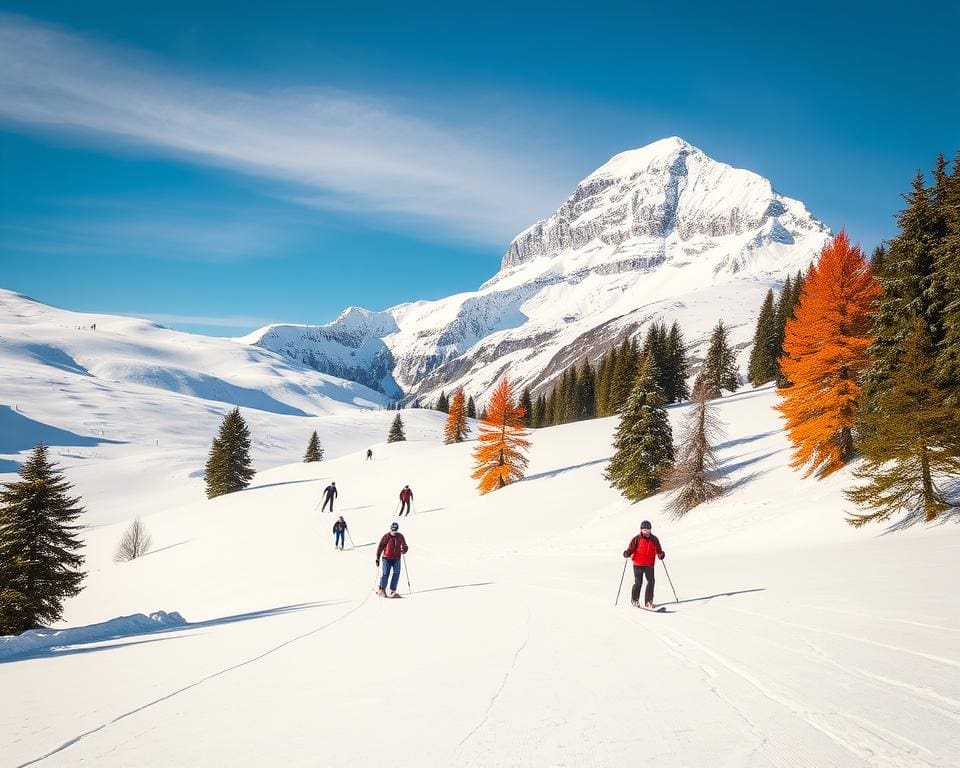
(663, 555)
(626, 553)
(378, 563)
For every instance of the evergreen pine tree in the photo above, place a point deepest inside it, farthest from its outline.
(600, 386)
(540, 412)
(644, 441)
(586, 392)
(314, 450)
(947, 284)
(677, 389)
(783, 311)
(442, 403)
(609, 392)
(40, 556)
(692, 478)
(914, 441)
(483, 414)
(228, 466)
(719, 369)
(396, 433)
(527, 404)
(455, 430)
(624, 374)
(471, 408)
(763, 357)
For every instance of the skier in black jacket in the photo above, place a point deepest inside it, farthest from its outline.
(329, 494)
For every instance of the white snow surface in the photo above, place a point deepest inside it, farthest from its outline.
(658, 233)
(797, 640)
(130, 409)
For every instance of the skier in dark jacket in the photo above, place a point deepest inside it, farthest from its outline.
(369, 454)
(644, 548)
(339, 532)
(392, 547)
(329, 494)
(406, 496)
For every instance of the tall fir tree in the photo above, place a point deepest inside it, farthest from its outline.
(826, 346)
(624, 374)
(455, 430)
(527, 403)
(914, 443)
(601, 388)
(719, 369)
(693, 478)
(783, 311)
(609, 390)
(40, 560)
(765, 352)
(314, 449)
(228, 466)
(396, 433)
(540, 412)
(471, 408)
(586, 392)
(500, 457)
(678, 369)
(643, 441)
(947, 284)
(443, 404)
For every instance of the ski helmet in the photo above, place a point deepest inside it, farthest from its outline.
(645, 524)
(394, 526)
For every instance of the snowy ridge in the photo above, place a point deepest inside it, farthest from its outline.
(649, 235)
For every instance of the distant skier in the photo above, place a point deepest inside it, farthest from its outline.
(329, 494)
(369, 454)
(339, 531)
(392, 546)
(644, 548)
(406, 496)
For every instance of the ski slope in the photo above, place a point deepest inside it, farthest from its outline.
(797, 641)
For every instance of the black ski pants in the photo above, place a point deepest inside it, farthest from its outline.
(639, 571)
(404, 505)
(327, 500)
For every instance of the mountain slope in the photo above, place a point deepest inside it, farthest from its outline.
(146, 401)
(662, 232)
(797, 639)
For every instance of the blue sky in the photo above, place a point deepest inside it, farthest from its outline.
(218, 166)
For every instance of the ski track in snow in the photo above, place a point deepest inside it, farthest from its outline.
(496, 695)
(201, 681)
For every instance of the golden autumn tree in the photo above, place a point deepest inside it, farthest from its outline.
(499, 455)
(455, 430)
(825, 351)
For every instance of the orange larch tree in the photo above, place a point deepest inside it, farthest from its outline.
(455, 430)
(825, 351)
(502, 440)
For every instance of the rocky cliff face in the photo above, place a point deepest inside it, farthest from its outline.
(658, 232)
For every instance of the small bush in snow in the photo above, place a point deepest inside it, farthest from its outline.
(135, 542)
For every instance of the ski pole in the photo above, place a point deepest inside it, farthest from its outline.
(406, 572)
(396, 509)
(675, 598)
(376, 579)
(621, 581)
(352, 545)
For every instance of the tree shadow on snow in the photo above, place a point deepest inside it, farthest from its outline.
(162, 633)
(561, 470)
(733, 467)
(747, 439)
(275, 485)
(951, 490)
(169, 546)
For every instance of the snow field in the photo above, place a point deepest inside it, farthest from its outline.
(798, 640)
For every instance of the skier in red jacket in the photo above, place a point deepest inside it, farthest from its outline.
(644, 548)
(392, 546)
(406, 496)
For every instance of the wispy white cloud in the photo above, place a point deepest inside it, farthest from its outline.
(335, 150)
